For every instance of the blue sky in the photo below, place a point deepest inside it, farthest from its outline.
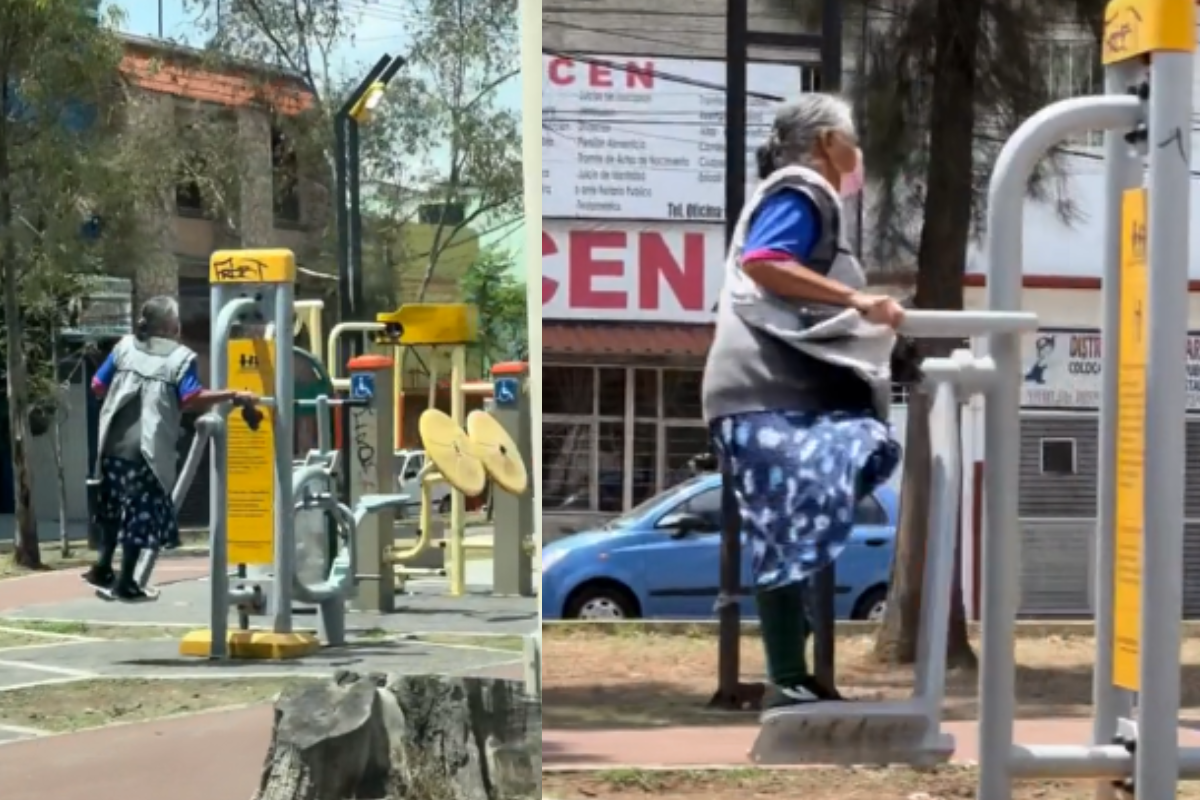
(382, 29)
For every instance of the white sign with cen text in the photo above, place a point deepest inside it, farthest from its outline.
(621, 139)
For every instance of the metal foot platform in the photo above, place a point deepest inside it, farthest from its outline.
(851, 733)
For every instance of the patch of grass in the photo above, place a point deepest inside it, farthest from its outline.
(9, 639)
(850, 783)
(87, 630)
(498, 642)
(50, 626)
(52, 561)
(89, 704)
(375, 634)
(508, 644)
(845, 629)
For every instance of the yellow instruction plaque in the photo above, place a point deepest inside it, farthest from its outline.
(250, 458)
(1131, 441)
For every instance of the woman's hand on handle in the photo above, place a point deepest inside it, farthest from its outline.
(878, 309)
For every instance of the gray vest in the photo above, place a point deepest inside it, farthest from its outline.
(772, 354)
(149, 373)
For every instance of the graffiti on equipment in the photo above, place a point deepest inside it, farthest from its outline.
(1062, 368)
(362, 427)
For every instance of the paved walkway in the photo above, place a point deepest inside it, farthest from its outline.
(216, 755)
(43, 588)
(727, 746)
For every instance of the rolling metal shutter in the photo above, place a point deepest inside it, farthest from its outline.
(1191, 570)
(1057, 518)
(1056, 568)
(1192, 486)
(1058, 525)
(1058, 496)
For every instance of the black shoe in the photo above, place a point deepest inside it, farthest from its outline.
(127, 594)
(98, 577)
(828, 693)
(806, 692)
(781, 697)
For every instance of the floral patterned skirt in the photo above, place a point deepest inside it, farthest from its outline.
(133, 502)
(798, 478)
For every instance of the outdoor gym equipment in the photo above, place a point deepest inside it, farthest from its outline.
(204, 431)
(467, 459)
(256, 488)
(371, 435)
(1146, 113)
(908, 732)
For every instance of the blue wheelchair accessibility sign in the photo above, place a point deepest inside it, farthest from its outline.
(507, 392)
(362, 386)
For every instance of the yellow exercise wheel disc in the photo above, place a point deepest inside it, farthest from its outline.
(498, 452)
(451, 452)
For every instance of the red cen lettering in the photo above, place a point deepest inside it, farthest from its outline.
(561, 71)
(600, 76)
(549, 285)
(686, 280)
(639, 74)
(585, 267)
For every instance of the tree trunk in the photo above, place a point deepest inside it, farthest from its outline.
(27, 548)
(60, 471)
(419, 737)
(941, 259)
(27, 551)
(896, 642)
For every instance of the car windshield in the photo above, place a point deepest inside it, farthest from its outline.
(637, 512)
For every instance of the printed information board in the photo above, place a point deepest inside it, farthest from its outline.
(1131, 442)
(250, 460)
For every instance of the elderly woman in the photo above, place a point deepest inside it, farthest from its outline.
(147, 382)
(795, 411)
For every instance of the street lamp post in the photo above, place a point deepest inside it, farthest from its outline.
(354, 112)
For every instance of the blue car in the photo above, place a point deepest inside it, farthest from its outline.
(661, 560)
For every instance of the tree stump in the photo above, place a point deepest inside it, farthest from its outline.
(424, 737)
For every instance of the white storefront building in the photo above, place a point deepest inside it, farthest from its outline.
(632, 252)
(633, 249)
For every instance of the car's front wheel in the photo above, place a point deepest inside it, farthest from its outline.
(872, 605)
(602, 603)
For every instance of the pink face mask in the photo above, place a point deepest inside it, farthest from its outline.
(852, 182)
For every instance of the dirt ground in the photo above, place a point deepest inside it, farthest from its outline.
(809, 784)
(641, 679)
(91, 704)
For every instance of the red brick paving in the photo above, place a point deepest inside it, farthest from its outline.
(59, 587)
(719, 747)
(216, 756)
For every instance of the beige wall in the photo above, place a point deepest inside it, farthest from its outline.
(192, 238)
